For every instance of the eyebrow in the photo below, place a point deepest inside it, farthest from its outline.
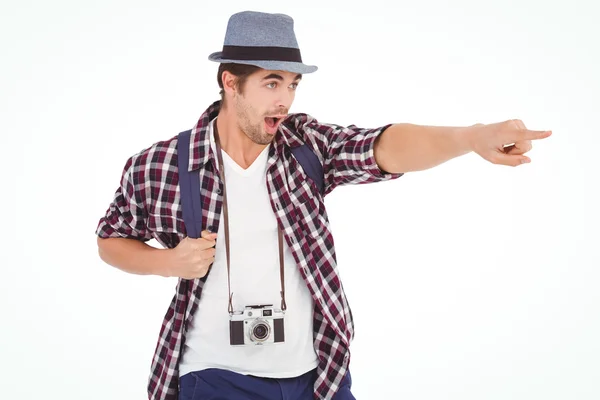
(280, 78)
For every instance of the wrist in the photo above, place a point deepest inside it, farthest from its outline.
(467, 136)
(162, 262)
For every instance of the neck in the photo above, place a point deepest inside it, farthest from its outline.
(234, 141)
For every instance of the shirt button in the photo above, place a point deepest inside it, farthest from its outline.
(219, 191)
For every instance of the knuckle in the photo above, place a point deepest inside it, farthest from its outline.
(518, 123)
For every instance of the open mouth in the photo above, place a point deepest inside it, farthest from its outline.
(272, 123)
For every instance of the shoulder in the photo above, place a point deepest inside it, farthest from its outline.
(300, 121)
(152, 162)
(308, 128)
(307, 124)
(296, 119)
(155, 155)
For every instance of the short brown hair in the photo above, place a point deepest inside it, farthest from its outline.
(240, 71)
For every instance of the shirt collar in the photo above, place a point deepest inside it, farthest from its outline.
(200, 149)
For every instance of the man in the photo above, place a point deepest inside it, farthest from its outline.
(266, 236)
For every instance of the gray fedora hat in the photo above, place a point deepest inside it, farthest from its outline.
(265, 40)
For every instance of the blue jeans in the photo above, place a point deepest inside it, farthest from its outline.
(219, 384)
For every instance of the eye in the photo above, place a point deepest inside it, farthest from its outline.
(294, 85)
(272, 85)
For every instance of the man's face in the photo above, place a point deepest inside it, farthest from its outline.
(265, 102)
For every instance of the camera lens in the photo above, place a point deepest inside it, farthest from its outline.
(260, 331)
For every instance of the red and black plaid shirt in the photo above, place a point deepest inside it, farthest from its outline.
(147, 206)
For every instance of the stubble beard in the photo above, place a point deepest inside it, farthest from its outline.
(255, 132)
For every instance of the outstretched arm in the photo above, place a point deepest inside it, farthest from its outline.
(409, 147)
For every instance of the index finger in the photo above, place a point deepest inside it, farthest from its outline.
(208, 235)
(534, 135)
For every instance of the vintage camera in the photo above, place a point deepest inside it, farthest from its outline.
(256, 325)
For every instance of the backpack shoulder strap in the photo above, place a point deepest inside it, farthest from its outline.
(189, 188)
(311, 165)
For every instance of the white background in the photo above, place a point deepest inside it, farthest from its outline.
(467, 281)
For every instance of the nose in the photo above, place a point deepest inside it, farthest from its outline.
(285, 99)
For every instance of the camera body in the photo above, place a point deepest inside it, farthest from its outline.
(256, 325)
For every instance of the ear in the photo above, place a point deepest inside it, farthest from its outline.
(229, 83)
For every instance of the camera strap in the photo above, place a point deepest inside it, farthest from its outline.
(226, 225)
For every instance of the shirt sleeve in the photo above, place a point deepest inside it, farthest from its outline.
(126, 214)
(347, 153)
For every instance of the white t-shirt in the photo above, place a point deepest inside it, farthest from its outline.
(255, 279)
